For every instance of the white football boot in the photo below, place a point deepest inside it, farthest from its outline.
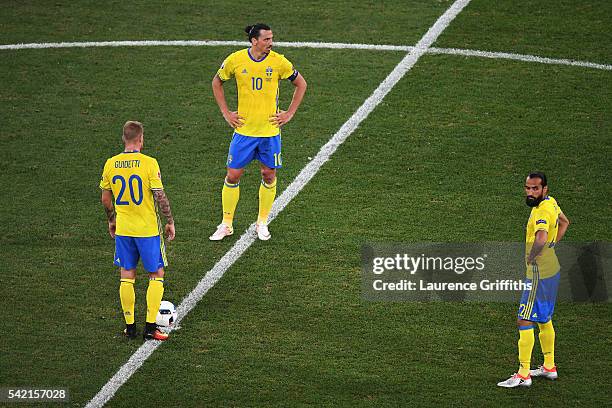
(262, 231)
(515, 381)
(542, 371)
(223, 230)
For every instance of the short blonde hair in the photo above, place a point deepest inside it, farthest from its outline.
(132, 130)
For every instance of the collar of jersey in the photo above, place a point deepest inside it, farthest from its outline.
(251, 57)
(132, 151)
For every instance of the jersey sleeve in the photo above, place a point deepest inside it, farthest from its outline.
(226, 71)
(286, 69)
(543, 220)
(155, 176)
(105, 183)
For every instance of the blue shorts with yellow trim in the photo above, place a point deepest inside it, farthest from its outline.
(245, 149)
(538, 304)
(152, 251)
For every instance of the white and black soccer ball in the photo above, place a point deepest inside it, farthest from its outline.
(166, 315)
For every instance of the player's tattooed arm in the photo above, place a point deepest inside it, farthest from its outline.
(107, 203)
(164, 205)
(109, 208)
(110, 213)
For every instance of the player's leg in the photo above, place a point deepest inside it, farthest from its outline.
(155, 294)
(153, 253)
(126, 257)
(230, 195)
(546, 302)
(526, 340)
(241, 153)
(547, 343)
(525, 346)
(269, 155)
(127, 295)
(267, 194)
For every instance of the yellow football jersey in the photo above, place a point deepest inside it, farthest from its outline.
(544, 217)
(132, 177)
(258, 88)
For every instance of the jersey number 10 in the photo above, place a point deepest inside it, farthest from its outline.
(130, 184)
(257, 83)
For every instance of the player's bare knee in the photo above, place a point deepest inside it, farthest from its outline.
(232, 180)
(269, 179)
(158, 274)
(128, 273)
(233, 176)
(268, 175)
(521, 322)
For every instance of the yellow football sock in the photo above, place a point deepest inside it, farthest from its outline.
(267, 192)
(547, 343)
(525, 347)
(155, 292)
(128, 299)
(229, 197)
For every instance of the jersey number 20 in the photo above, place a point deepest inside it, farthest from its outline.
(130, 184)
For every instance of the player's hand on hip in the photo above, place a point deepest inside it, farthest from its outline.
(112, 227)
(170, 232)
(281, 118)
(234, 119)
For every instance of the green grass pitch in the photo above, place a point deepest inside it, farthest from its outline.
(441, 159)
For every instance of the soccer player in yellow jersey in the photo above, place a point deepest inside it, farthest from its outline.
(545, 228)
(132, 195)
(257, 123)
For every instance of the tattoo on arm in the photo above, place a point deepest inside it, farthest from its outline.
(110, 213)
(107, 203)
(164, 205)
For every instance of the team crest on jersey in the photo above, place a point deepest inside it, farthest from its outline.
(244, 71)
(269, 71)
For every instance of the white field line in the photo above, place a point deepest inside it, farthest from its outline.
(519, 57)
(307, 173)
(196, 43)
(323, 45)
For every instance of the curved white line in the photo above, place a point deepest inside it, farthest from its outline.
(323, 45)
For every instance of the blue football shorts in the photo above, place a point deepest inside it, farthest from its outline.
(152, 251)
(538, 304)
(245, 149)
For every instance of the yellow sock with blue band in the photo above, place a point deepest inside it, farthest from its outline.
(155, 292)
(525, 347)
(128, 299)
(267, 193)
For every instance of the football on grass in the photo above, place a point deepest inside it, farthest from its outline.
(166, 315)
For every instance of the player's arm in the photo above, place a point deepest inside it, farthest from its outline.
(109, 208)
(563, 224)
(541, 236)
(283, 117)
(232, 118)
(164, 207)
